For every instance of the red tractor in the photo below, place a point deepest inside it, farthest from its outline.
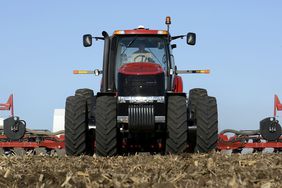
(141, 106)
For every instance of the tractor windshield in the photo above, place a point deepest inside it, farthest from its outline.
(132, 49)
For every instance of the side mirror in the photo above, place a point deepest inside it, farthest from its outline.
(97, 72)
(87, 40)
(191, 38)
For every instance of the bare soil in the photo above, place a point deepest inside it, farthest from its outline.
(189, 170)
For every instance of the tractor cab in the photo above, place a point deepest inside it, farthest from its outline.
(141, 62)
(132, 52)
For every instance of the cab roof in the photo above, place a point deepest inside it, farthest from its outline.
(141, 31)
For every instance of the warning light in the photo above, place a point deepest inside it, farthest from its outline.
(168, 20)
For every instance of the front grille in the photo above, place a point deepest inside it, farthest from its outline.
(141, 85)
(159, 109)
(141, 118)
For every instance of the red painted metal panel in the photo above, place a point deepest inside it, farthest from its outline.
(141, 69)
(277, 105)
(225, 143)
(141, 31)
(9, 105)
(178, 84)
(144, 32)
(50, 142)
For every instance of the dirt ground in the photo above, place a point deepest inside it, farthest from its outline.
(189, 170)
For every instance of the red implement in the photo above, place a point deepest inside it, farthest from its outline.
(48, 142)
(9, 105)
(268, 136)
(277, 105)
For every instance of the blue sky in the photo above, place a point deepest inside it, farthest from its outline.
(240, 41)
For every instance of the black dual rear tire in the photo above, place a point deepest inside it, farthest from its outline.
(77, 138)
(106, 126)
(194, 96)
(202, 113)
(88, 94)
(204, 117)
(176, 139)
(207, 125)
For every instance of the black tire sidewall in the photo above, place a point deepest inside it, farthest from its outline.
(76, 126)
(176, 139)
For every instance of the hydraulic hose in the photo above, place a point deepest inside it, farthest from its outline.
(47, 133)
(241, 132)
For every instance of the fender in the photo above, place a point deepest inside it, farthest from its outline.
(177, 84)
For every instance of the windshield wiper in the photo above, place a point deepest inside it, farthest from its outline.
(129, 44)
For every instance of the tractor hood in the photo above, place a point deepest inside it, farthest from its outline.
(141, 79)
(141, 69)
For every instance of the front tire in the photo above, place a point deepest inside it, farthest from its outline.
(106, 126)
(176, 141)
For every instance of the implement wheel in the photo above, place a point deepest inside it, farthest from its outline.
(207, 124)
(77, 140)
(106, 126)
(176, 141)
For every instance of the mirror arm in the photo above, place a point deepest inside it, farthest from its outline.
(177, 37)
(96, 72)
(192, 71)
(99, 38)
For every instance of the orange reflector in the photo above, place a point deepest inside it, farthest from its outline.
(204, 71)
(83, 72)
(162, 32)
(119, 32)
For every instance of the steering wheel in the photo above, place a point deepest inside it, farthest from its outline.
(143, 58)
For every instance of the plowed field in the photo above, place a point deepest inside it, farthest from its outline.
(195, 170)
